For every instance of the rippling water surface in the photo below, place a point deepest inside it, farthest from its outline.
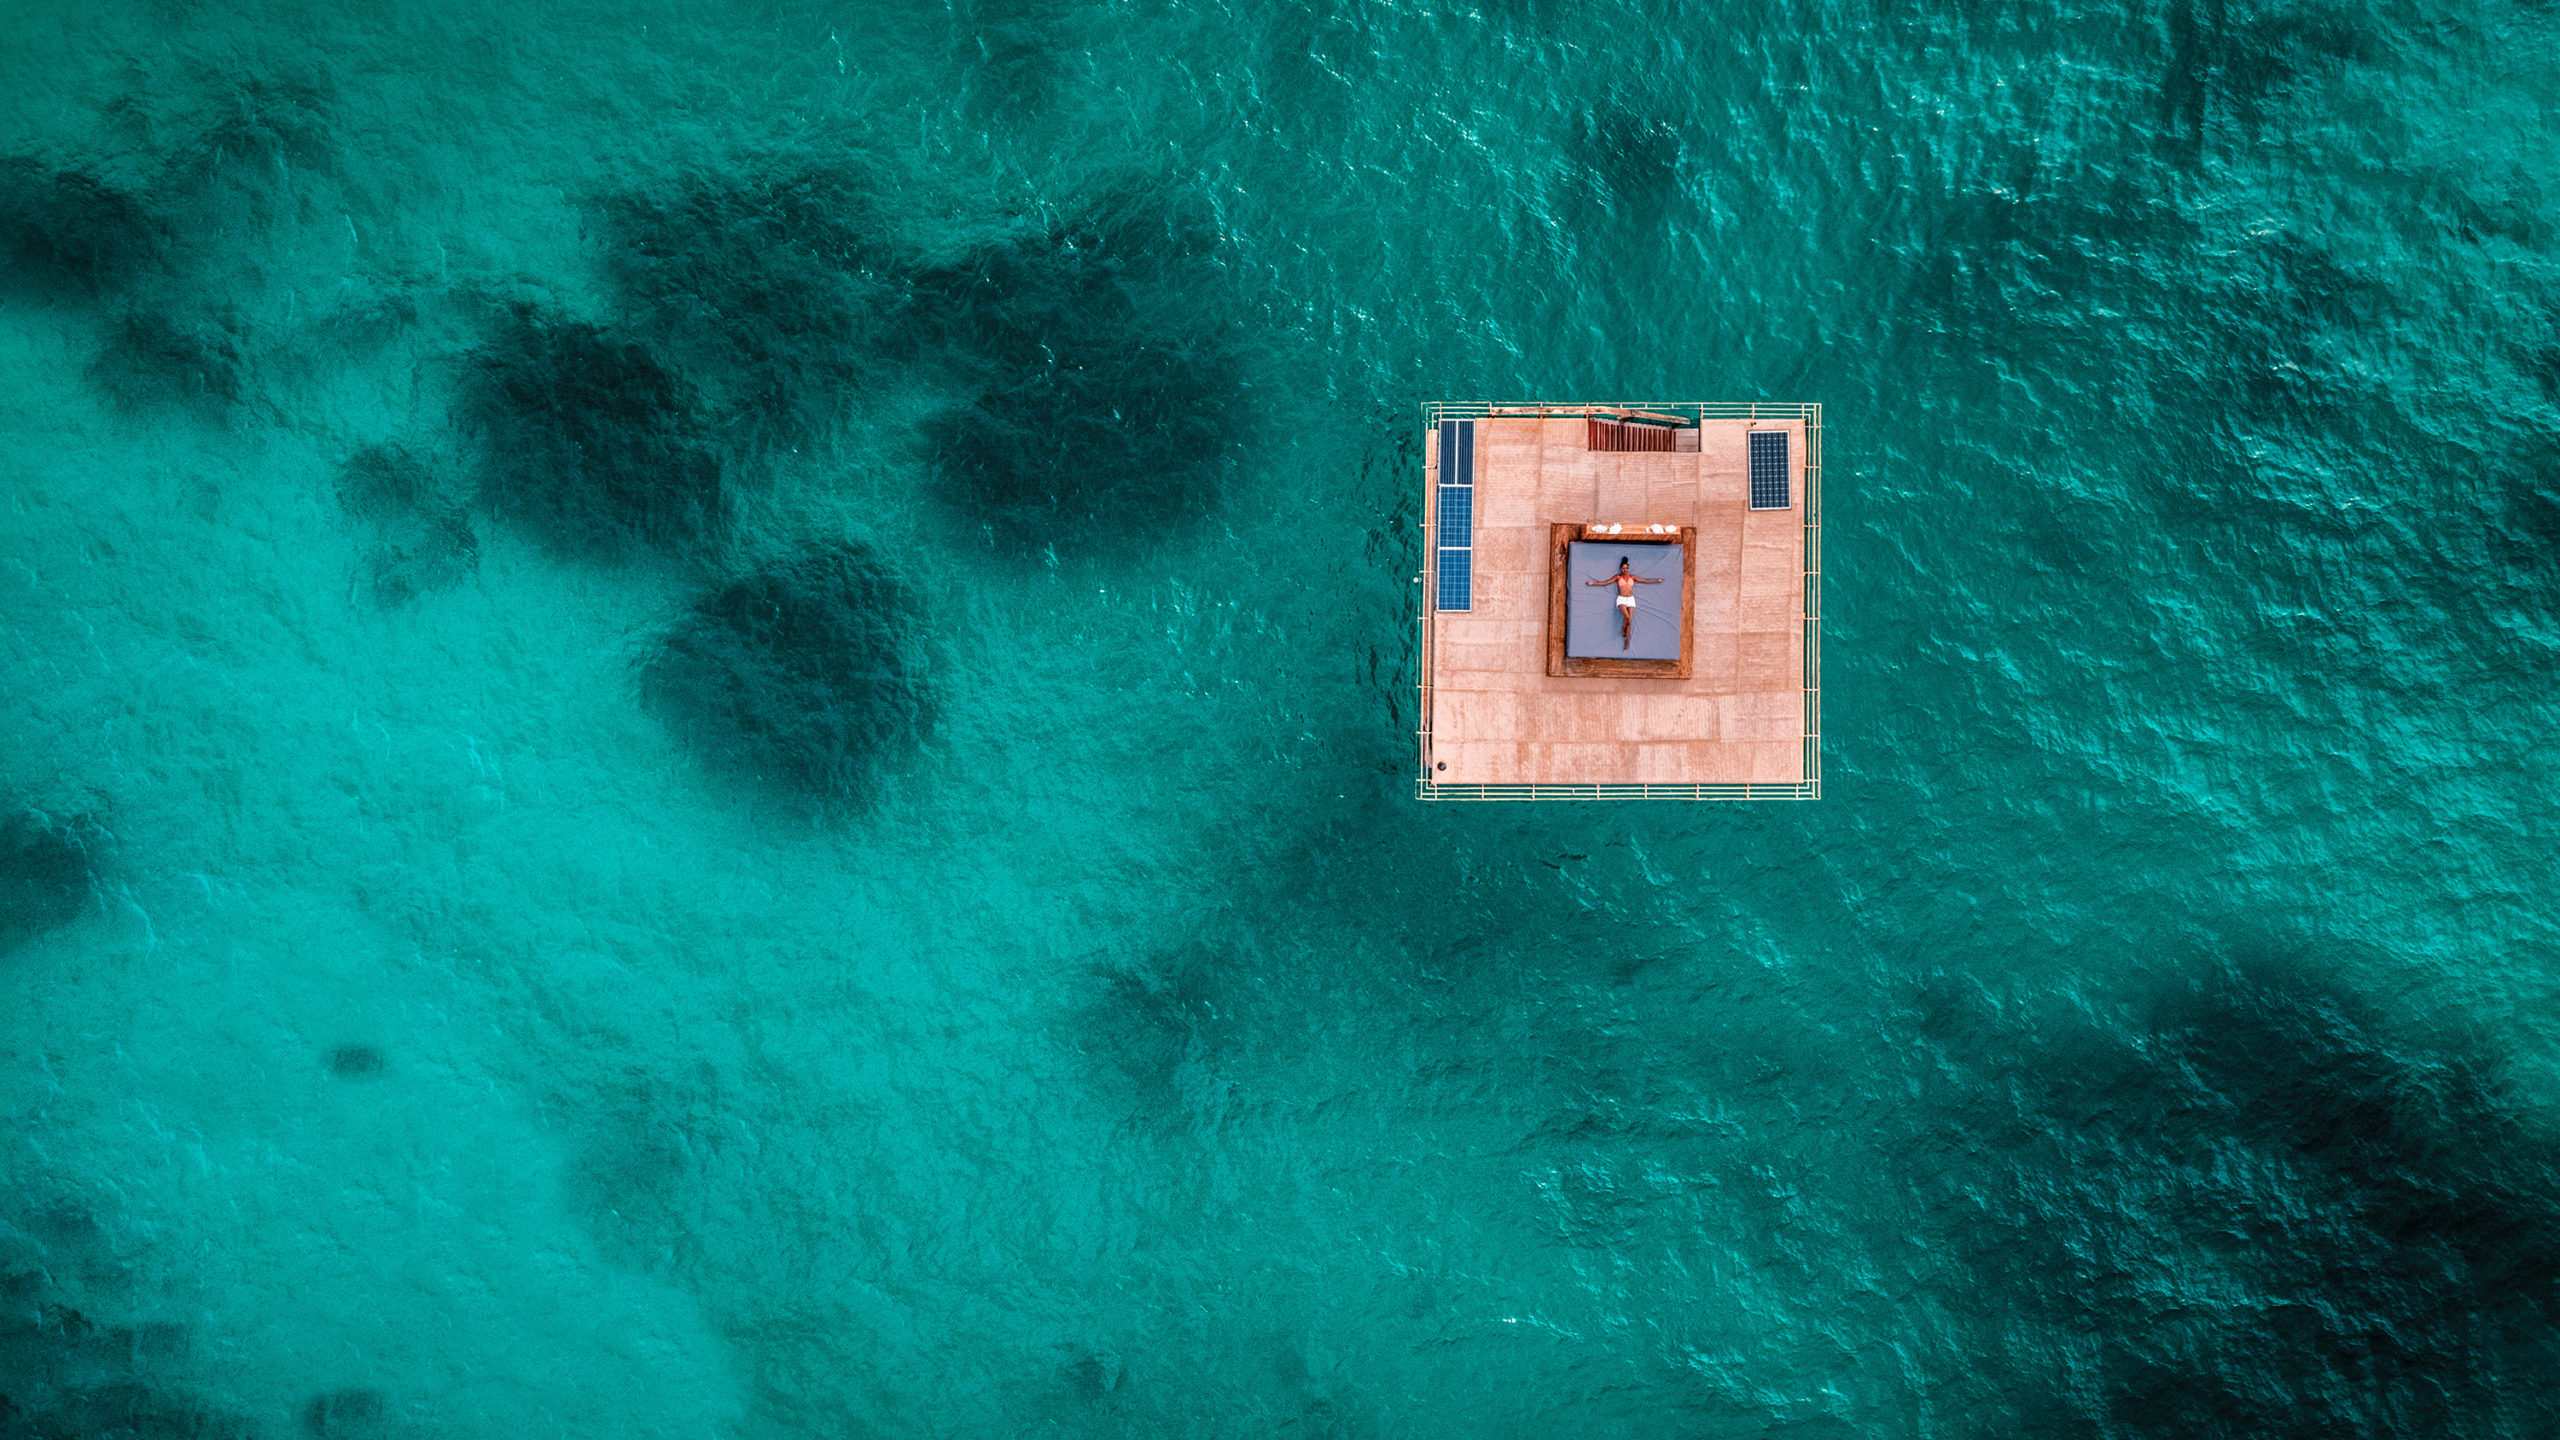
(704, 726)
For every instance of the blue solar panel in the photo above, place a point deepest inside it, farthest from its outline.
(1454, 526)
(1457, 580)
(1768, 469)
(1457, 514)
(1457, 452)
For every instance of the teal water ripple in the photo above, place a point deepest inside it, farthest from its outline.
(706, 718)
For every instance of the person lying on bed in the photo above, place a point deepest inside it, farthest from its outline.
(1626, 580)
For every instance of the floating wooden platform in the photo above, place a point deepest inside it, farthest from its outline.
(1504, 714)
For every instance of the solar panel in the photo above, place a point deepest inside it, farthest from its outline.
(1455, 525)
(1769, 470)
(1457, 513)
(1457, 580)
(1457, 452)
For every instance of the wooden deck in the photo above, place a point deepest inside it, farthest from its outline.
(1743, 724)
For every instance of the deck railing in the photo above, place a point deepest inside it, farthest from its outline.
(1690, 411)
(1778, 790)
(1677, 411)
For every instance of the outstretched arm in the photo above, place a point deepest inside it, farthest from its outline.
(1647, 579)
(1612, 580)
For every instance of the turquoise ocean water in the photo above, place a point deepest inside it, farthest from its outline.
(705, 725)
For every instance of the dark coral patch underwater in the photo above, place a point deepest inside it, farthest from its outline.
(754, 313)
(591, 442)
(805, 675)
(68, 1374)
(267, 124)
(347, 1415)
(2247, 1210)
(65, 232)
(771, 291)
(1107, 379)
(47, 863)
(158, 359)
(418, 534)
(1165, 1022)
(355, 1062)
